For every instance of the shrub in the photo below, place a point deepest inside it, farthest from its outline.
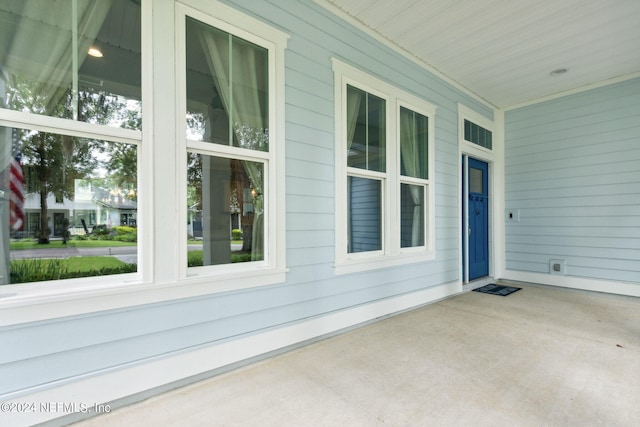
(126, 238)
(124, 233)
(121, 269)
(236, 234)
(35, 270)
(100, 230)
(194, 259)
(124, 229)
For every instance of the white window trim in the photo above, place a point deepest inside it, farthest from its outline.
(465, 113)
(273, 268)
(391, 254)
(154, 282)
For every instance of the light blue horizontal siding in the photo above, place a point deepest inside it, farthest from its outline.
(44, 352)
(573, 171)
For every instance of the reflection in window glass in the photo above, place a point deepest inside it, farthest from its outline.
(69, 206)
(227, 88)
(366, 130)
(84, 67)
(414, 144)
(225, 210)
(364, 220)
(412, 218)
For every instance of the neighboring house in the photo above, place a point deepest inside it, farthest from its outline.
(376, 183)
(90, 206)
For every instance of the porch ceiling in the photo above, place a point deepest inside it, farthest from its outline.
(505, 50)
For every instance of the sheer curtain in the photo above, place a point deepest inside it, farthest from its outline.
(49, 43)
(235, 66)
(354, 99)
(413, 167)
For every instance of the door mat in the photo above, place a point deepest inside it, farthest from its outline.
(494, 289)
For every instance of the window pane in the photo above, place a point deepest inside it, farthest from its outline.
(365, 214)
(414, 133)
(412, 215)
(69, 206)
(477, 135)
(43, 74)
(475, 180)
(227, 88)
(366, 130)
(225, 210)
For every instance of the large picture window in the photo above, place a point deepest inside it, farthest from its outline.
(231, 154)
(70, 110)
(384, 183)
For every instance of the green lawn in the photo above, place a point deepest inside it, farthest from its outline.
(17, 246)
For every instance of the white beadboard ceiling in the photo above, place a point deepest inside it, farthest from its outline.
(504, 50)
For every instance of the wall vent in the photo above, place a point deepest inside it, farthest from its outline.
(557, 266)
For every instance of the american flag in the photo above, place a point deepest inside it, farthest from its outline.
(16, 186)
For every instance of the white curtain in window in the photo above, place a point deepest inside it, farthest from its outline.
(235, 67)
(413, 165)
(50, 41)
(354, 99)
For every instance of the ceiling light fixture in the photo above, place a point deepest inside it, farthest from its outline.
(558, 72)
(95, 52)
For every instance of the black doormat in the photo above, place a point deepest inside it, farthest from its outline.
(494, 289)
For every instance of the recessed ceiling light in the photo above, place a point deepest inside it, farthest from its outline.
(95, 52)
(558, 72)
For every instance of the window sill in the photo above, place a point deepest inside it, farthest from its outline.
(35, 302)
(231, 281)
(360, 264)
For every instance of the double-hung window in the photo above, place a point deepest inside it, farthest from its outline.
(231, 158)
(384, 173)
(70, 133)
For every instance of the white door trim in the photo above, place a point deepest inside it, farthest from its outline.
(495, 159)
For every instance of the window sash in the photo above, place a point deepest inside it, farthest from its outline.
(66, 188)
(366, 131)
(233, 107)
(413, 215)
(414, 143)
(52, 59)
(365, 214)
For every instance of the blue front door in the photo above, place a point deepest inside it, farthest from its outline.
(478, 214)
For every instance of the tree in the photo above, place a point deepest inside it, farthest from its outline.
(123, 167)
(52, 162)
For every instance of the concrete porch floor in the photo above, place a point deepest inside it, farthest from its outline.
(541, 356)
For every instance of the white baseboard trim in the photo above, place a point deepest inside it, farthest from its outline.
(582, 283)
(84, 393)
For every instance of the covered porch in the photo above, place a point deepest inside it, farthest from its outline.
(540, 356)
